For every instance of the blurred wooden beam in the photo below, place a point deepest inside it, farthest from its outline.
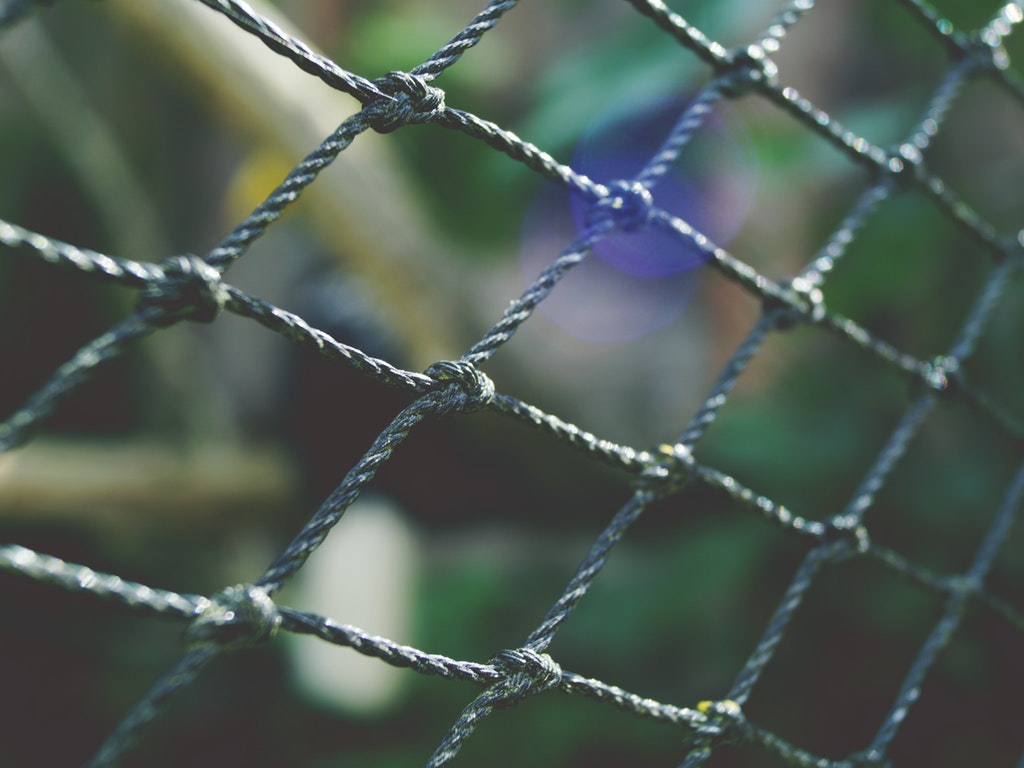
(363, 205)
(137, 483)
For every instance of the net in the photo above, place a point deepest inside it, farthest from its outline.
(190, 288)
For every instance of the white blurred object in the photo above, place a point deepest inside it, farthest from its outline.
(364, 574)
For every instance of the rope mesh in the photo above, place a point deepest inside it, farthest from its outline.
(195, 288)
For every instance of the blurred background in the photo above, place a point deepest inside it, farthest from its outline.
(144, 129)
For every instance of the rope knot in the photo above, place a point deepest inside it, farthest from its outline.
(719, 715)
(671, 467)
(408, 100)
(242, 615)
(905, 162)
(848, 528)
(807, 305)
(749, 67)
(939, 372)
(526, 672)
(465, 387)
(987, 45)
(190, 290)
(628, 204)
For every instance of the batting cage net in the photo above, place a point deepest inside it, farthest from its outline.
(714, 457)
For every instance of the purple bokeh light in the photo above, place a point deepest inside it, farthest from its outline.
(637, 282)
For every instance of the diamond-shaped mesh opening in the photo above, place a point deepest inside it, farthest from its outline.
(983, 139)
(833, 680)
